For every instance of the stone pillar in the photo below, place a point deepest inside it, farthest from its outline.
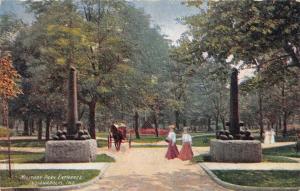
(234, 123)
(72, 118)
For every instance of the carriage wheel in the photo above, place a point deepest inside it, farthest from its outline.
(108, 142)
(117, 145)
(129, 140)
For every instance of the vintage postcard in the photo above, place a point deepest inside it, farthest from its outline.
(149, 95)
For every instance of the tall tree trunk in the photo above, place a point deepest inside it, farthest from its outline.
(136, 125)
(260, 110)
(92, 116)
(279, 123)
(26, 128)
(184, 122)
(272, 125)
(217, 122)
(31, 126)
(5, 112)
(155, 123)
(223, 123)
(208, 124)
(17, 127)
(284, 117)
(40, 129)
(48, 123)
(261, 123)
(177, 119)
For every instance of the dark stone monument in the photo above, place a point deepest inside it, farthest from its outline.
(72, 118)
(73, 125)
(235, 145)
(72, 145)
(234, 123)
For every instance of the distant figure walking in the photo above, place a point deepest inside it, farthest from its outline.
(272, 136)
(269, 136)
(186, 152)
(172, 151)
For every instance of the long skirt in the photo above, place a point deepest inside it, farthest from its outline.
(172, 151)
(186, 152)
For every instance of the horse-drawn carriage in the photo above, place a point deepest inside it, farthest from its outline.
(118, 134)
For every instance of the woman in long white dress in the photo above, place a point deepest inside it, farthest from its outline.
(272, 136)
(267, 139)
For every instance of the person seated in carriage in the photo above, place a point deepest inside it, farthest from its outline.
(117, 135)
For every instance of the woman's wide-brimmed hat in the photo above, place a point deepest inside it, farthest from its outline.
(172, 126)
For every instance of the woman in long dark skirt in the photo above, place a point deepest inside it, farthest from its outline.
(172, 151)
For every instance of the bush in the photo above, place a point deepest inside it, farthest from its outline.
(201, 158)
(4, 131)
(298, 146)
(286, 139)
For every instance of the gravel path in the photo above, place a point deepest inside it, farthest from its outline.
(146, 169)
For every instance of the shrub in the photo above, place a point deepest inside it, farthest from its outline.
(4, 131)
(298, 146)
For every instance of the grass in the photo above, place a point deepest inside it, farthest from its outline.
(4, 131)
(266, 158)
(260, 178)
(148, 146)
(201, 158)
(101, 143)
(29, 157)
(38, 143)
(279, 159)
(287, 151)
(23, 157)
(24, 143)
(104, 158)
(290, 138)
(202, 141)
(102, 134)
(40, 178)
(149, 139)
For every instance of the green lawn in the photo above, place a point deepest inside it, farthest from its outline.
(37, 143)
(40, 178)
(24, 143)
(287, 151)
(202, 141)
(290, 138)
(149, 146)
(23, 157)
(279, 159)
(149, 139)
(101, 143)
(29, 157)
(104, 158)
(201, 158)
(259, 178)
(102, 134)
(266, 158)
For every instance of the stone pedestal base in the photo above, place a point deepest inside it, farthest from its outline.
(71, 151)
(235, 151)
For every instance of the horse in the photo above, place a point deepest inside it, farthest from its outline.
(117, 136)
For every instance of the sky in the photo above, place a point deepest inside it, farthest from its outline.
(164, 13)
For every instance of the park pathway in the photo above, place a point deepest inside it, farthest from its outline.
(143, 169)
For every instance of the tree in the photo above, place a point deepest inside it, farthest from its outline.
(259, 34)
(8, 85)
(112, 46)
